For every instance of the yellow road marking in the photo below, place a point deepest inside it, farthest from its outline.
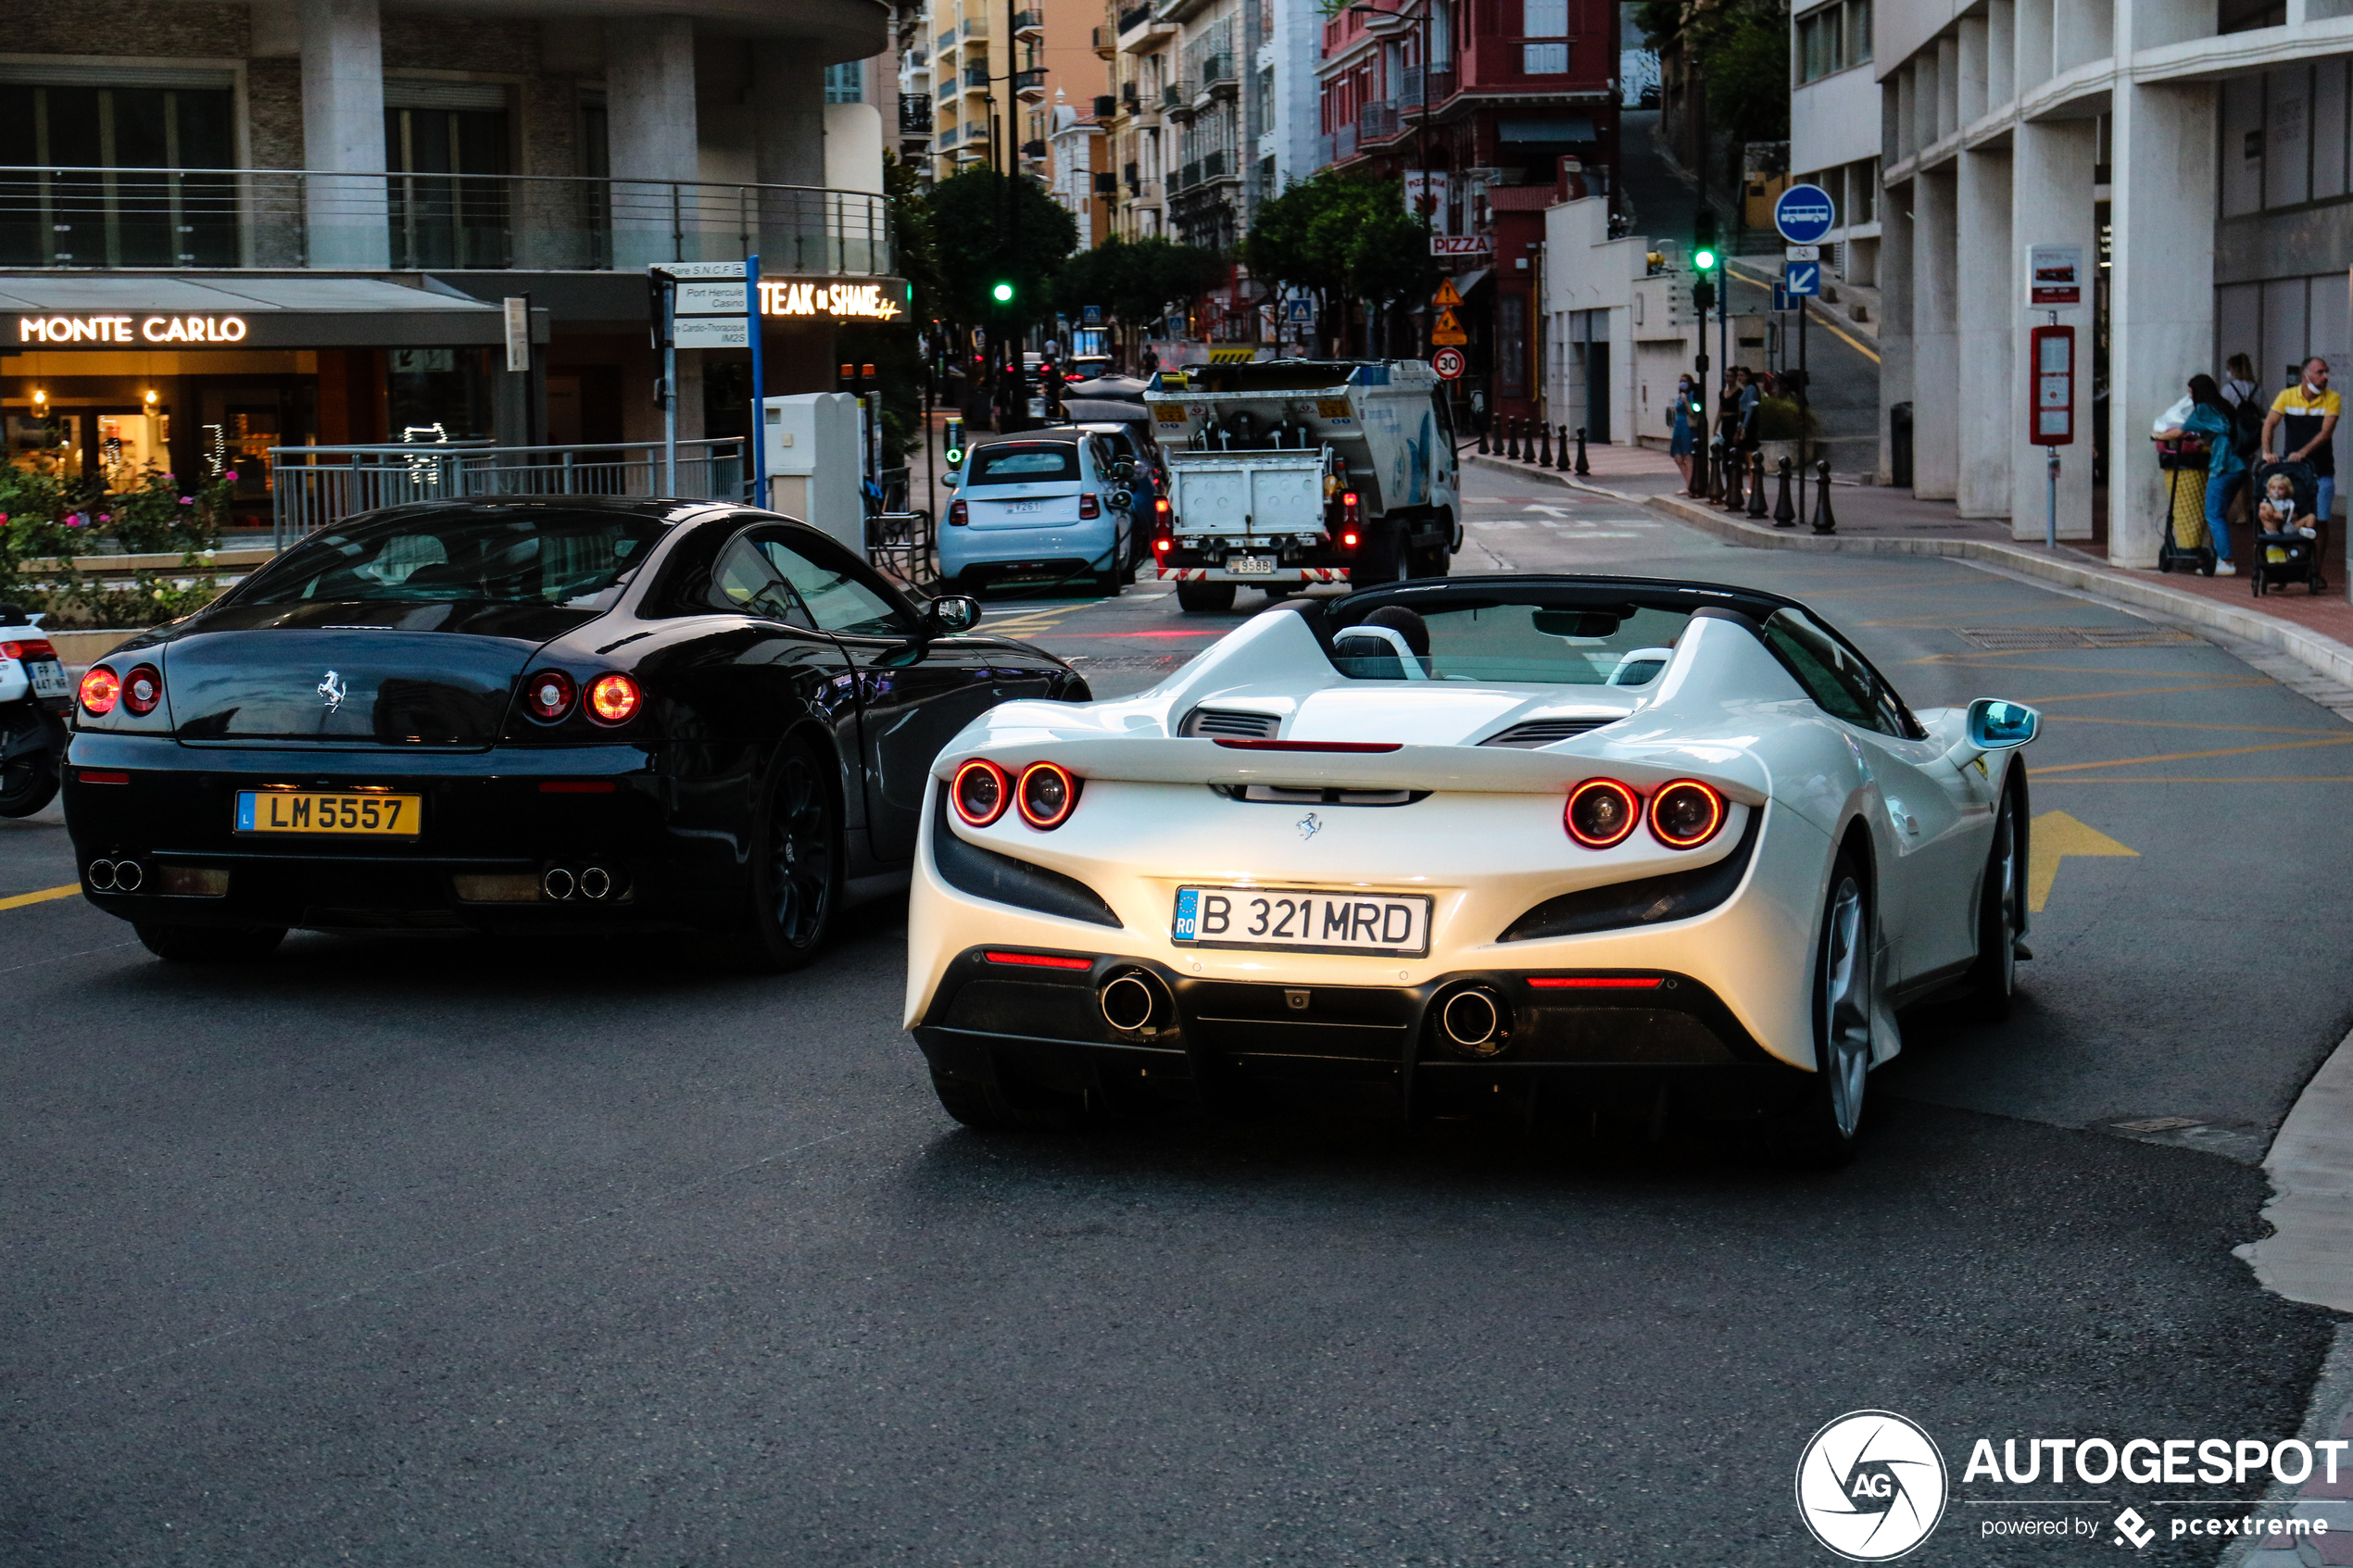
(2215, 778)
(1765, 281)
(21, 899)
(2195, 724)
(2046, 772)
(2147, 691)
(2056, 836)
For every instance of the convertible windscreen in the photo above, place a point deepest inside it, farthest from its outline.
(1620, 645)
(1024, 465)
(548, 558)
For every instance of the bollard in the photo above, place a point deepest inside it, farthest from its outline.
(1735, 471)
(1823, 521)
(1545, 445)
(1716, 470)
(1582, 467)
(1784, 511)
(1757, 485)
(1511, 439)
(1482, 437)
(1560, 453)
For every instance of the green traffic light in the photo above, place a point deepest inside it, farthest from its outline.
(1703, 259)
(955, 455)
(1002, 293)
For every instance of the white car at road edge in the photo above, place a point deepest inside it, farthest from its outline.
(1666, 847)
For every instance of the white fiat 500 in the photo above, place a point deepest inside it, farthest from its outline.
(1542, 842)
(1044, 503)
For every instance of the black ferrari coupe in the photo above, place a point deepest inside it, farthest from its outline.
(537, 716)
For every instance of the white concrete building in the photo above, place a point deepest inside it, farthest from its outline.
(1072, 139)
(2199, 150)
(1834, 126)
(1595, 334)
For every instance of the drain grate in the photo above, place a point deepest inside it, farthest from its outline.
(2013, 639)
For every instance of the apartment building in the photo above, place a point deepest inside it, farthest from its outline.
(227, 225)
(2198, 155)
(1491, 110)
(1834, 127)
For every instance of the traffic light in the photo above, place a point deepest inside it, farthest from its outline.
(1703, 260)
(1703, 295)
(1001, 291)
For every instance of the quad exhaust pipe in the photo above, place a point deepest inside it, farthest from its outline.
(117, 876)
(562, 884)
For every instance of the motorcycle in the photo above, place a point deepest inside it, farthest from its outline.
(34, 698)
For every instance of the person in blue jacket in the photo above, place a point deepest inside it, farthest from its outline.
(2209, 417)
(1678, 421)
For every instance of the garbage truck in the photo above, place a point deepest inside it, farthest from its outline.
(1284, 473)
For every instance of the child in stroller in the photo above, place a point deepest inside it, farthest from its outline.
(2287, 545)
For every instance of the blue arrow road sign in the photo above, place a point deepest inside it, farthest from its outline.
(1804, 214)
(1801, 279)
(1780, 297)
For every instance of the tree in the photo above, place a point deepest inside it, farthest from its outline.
(1136, 281)
(1741, 50)
(915, 245)
(1342, 237)
(968, 215)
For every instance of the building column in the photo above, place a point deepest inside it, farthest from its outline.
(1984, 267)
(649, 117)
(1895, 316)
(788, 132)
(2160, 290)
(2051, 197)
(1935, 346)
(342, 133)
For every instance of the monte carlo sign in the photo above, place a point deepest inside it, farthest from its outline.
(130, 330)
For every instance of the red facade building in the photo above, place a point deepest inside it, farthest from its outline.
(1494, 108)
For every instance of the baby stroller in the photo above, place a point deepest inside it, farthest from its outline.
(2185, 545)
(2282, 558)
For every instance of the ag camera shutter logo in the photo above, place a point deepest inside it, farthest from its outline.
(1871, 1486)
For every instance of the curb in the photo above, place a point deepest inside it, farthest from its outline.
(2309, 1255)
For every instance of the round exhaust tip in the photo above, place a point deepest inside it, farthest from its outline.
(559, 884)
(102, 874)
(128, 877)
(595, 883)
(1135, 1003)
(1475, 1021)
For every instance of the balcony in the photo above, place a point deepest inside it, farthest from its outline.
(946, 42)
(1030, 86)
(1378, 123)
(1218, 77)
(973, 27)
(87, 218)
(1106, 44)
(1440, 82)
(977, 79)
(1029, 24)
(1220, 166)
(915, 114)
(1133, 17)
(1106, 107)
(1338, 147)
(1177, 100)
(1187, 176)
(948, 135)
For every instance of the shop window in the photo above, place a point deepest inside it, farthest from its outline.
(437, 387)
(448, 199)
(117, 177)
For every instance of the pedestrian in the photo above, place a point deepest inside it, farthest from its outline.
(1149, 363)
(2247, 425)
(2209, 419)
(1752, 403)
(2238, 380)
(1678, 426)
(2302, 423)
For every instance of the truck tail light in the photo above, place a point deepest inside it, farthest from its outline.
(1089, 507)
(958, 514)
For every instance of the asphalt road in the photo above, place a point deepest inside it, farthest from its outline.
(427, 1253)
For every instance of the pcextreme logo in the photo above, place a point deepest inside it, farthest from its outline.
(1871, 1486)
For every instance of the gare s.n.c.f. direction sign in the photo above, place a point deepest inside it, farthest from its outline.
(1804, 214)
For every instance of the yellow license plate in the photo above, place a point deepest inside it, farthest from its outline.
(289, 810)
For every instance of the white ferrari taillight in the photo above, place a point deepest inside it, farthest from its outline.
(981, 793)
(1686, 814)
(1602, 813)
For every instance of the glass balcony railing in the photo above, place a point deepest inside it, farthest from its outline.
(97, 218)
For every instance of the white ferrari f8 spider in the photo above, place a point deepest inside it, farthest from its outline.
(1657, 846)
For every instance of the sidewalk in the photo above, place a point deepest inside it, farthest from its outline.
(2315, 630)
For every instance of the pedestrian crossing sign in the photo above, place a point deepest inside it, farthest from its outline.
(1448, 332)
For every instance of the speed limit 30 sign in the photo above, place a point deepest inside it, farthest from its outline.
(1448, 363)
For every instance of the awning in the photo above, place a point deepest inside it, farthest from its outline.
(1471, 280)
(47, 312)
(1570, 128)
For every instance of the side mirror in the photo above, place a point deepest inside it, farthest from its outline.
(952, 613)
(1122, 499)
(948, 479)
(1996, 725)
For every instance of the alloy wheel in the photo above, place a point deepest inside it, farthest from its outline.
(1847, 985)
(801, 855)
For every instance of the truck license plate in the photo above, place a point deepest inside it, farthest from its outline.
(1250, 566)
(1306, 920)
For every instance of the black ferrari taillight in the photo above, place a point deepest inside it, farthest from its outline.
(143, 689)
(1602, 813)
(549, 695)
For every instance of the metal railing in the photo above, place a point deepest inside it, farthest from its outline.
(313, 486)
(102, 218)
(914, 113)
(1378, 123)
(1134, 16)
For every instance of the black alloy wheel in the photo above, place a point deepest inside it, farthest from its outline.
(28, 765)
(1846, 984)
(2001, 915)
(1109, 581)
(209, 943)
(797, 867)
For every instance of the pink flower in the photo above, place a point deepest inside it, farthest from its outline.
(231, 474)
(188, 500)
(106, 517)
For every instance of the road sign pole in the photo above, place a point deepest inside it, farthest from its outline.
(1804, 391)
(758, 388)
